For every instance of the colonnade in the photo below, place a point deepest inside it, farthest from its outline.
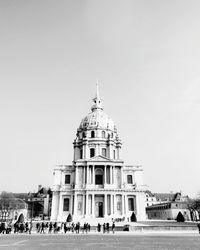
(88, 177)
(111, 206)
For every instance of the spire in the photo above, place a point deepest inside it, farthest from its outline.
(97, 90)
(97, 100)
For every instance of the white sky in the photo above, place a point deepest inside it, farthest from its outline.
(146, 55)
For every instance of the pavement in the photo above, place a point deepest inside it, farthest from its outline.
(97, 241)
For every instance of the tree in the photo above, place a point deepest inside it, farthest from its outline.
(180, 217)
(5, 200)
(194, 207)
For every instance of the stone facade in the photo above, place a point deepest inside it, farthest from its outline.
(97, 185)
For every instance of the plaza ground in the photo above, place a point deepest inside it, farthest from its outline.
(123, 240)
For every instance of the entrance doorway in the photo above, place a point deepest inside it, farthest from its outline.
(99, 209)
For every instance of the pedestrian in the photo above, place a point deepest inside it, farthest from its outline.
(104, 228)
(38, 227)
(50, 227)
(30, 227)
(107, 227)
(42, 228)
(113, 227)
(99, 227)
(55, 227)
(198, 225)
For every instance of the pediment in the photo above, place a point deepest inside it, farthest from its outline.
(100, 158)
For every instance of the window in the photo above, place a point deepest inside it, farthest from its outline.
(103, 134)
(66, 204)
(118, 205)
(92, 152)
(113, 154)
(130, 204)
(129, 179)
(80, 206)
(81, 154)
(92, 134)
(99, 177)
(104, 152)
(111, 135)
(67, 179)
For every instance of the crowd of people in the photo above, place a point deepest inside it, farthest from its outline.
(52, 227)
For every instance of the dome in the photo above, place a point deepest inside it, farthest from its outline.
(97, 119)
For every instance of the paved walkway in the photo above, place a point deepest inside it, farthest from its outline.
(97, 241)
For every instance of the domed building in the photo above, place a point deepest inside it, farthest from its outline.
(98, 186)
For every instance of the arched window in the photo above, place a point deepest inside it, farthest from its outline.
(103, 134)
(99, 176)
(92, 134)
(92, 152)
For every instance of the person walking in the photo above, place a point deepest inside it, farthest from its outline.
(107, 227)
(113, 227)
(104, 228)
(198, 225)
(42, 228)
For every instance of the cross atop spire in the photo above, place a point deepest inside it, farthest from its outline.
(97, 100)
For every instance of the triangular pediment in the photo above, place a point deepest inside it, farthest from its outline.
(100, 158)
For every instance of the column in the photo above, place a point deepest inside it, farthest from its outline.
(55, 206)
(84, 151)
(104, 174)
(121, 177)
(75, 203)
(111, 205)
(126, 202)
(114, 181)
(93, 175)
(76, 176)
(106, 205)
(60, 206)
(86, 207)
(114, 205)
(84, 175)
(98, 149)
(93, 205)
(71, 204)
(87, 182)
(122, 204)
(110, 174)
(83, 210)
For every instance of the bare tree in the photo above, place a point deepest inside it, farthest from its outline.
(194, 207)
(5, 202)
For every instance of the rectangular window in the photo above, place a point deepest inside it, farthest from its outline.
(129, 179)
(104, 152)
(66, 204)
(81, 154)
(130, 204)
(92, 152)
(67, 179)
(113, 154)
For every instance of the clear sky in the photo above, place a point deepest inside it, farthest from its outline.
(146, 56)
